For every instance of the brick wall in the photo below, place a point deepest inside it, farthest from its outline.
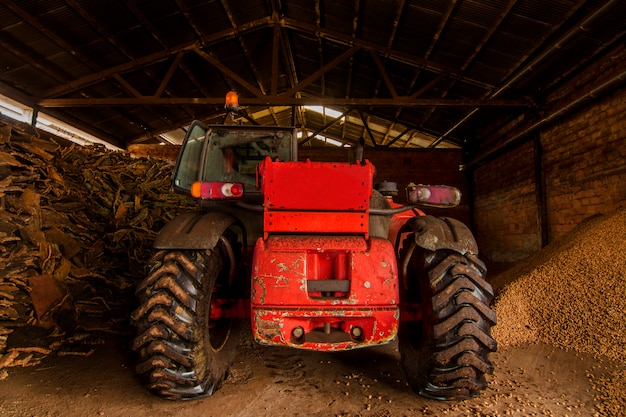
(582, 168)
(585, 164)
(505, 207)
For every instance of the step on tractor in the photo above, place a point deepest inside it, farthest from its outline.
(312, 256)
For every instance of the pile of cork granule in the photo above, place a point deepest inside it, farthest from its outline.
(571, 294)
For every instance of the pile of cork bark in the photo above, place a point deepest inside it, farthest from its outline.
(76, 229)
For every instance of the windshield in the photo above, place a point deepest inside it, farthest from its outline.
(229, 153)
(187, 169)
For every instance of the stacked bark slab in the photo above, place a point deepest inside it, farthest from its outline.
(76, 229)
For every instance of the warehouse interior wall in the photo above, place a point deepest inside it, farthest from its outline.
(558, 176)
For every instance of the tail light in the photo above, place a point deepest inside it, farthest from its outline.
(217, 190)
(434, 195)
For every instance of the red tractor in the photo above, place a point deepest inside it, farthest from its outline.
(317, 259)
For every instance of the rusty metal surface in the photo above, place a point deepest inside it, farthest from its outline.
(324, 286)
(325, 329)
(316, 222)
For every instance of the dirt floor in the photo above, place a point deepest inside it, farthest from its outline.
(534, 380)
(547, 363)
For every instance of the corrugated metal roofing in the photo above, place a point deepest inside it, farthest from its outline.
(403, 72)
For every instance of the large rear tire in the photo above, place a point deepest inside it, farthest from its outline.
(445, 355)
(183, 353)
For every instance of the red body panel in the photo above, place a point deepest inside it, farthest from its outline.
(318, 280)
(321, 186)
(326, 286)
(315, 197)
(398, 220)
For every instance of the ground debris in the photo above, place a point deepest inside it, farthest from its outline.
(612, 394)
(76, 229)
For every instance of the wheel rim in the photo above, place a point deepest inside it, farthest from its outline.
(218, 328)
(219, 324)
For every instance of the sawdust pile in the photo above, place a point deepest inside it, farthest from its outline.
(572, 294)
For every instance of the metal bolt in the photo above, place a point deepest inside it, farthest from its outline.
(297, 332)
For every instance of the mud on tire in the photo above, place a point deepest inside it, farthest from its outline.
(445, 355)
(183, 354)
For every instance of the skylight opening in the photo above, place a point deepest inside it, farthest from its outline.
(322, 138)
(325, 111)
(15, 110)
(64, 130)
(330, 113)
(22, 113)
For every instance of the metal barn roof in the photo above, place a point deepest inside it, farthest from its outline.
(400, 73)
